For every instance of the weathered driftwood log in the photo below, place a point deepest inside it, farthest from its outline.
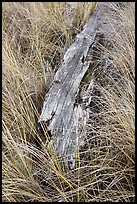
(65, 109)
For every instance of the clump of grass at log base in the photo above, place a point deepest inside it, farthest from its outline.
(34, 43)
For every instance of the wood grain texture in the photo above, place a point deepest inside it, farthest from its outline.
(64, 111)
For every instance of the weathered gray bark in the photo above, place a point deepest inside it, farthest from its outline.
(65, 109)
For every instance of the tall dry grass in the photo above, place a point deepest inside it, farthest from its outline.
(35, 38)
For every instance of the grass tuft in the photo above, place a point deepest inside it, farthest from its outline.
(35, 38)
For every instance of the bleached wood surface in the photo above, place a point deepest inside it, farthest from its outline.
(65, 109)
